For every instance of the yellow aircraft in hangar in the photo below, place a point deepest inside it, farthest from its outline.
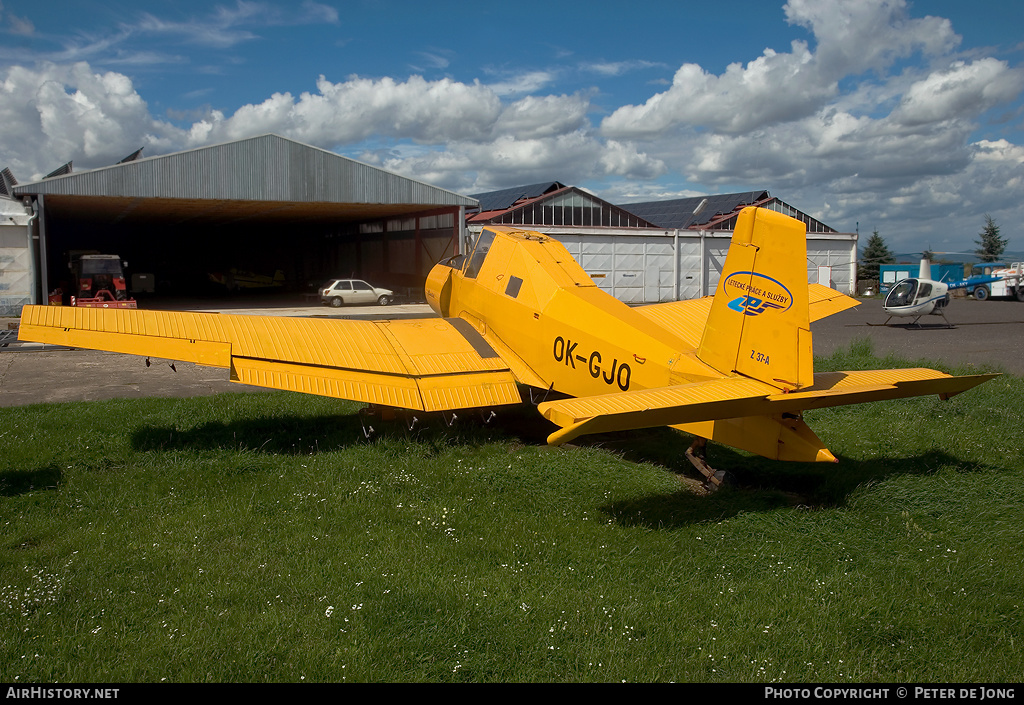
(735, 368)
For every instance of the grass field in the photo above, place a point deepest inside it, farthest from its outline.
(260, 537)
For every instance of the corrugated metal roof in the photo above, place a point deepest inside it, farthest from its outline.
(264, 168)
(678, 213)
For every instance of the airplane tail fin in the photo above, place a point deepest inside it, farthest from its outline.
(759, 325)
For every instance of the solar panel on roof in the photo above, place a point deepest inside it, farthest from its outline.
(133, 156)
(60, 171)
(503, 199)
(7, 182)
(678, 213)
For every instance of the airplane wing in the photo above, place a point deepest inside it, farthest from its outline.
(687, 319)
(429, 364)
(733, 397)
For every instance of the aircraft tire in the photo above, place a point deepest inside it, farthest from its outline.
(981, 293)
(337, 302)
(384, 300)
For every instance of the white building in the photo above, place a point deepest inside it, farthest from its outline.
(660, 250)
(16, 251)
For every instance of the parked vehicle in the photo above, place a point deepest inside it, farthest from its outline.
(1012, 282)
(338, 292)
(98, 282)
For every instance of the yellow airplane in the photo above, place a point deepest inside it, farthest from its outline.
(735, 368)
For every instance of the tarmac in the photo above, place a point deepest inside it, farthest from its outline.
(988, 335)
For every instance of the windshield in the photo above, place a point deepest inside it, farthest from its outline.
(902, 294)
(101, 266)
(483, 245)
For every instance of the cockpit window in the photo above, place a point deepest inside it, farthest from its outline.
(454, 262)
(902, 294)
(483, 245)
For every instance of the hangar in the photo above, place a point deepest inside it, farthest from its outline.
(190, 220)
(658, 250)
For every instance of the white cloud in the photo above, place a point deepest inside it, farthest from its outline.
(618, 68)
(95, 118)
(853, 37)
(543, 116)
(570, 158)
(223, 27)
(772, 88)
(53, 114)
(962, 90)
(221, 34)
(359, 108)
(17, 24)
(522, 83)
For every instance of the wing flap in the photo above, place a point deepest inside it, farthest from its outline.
(734, 397)
(421, 364)
(367, 387)
(468, 391)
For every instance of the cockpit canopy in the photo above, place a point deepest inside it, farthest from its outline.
(907, 293)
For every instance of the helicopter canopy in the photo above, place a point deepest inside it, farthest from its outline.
(907, 293)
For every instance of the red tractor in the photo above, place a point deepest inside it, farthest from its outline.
(98, 282)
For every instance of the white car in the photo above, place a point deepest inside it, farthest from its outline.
(338, 292)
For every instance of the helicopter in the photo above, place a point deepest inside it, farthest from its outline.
(923, 296)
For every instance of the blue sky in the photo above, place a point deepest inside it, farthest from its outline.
(903, 117)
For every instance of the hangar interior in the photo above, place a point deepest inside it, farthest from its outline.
(235, 217)
(201, 248)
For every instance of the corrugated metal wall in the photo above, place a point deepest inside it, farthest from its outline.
(639, 268)
(16, 274)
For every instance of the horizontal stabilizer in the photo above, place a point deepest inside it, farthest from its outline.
(735, 397)
(824, 302)
(686, 319)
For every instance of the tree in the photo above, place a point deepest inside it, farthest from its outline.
(876, 252)
(990, 245)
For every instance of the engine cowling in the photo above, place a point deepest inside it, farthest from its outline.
(438, 287)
